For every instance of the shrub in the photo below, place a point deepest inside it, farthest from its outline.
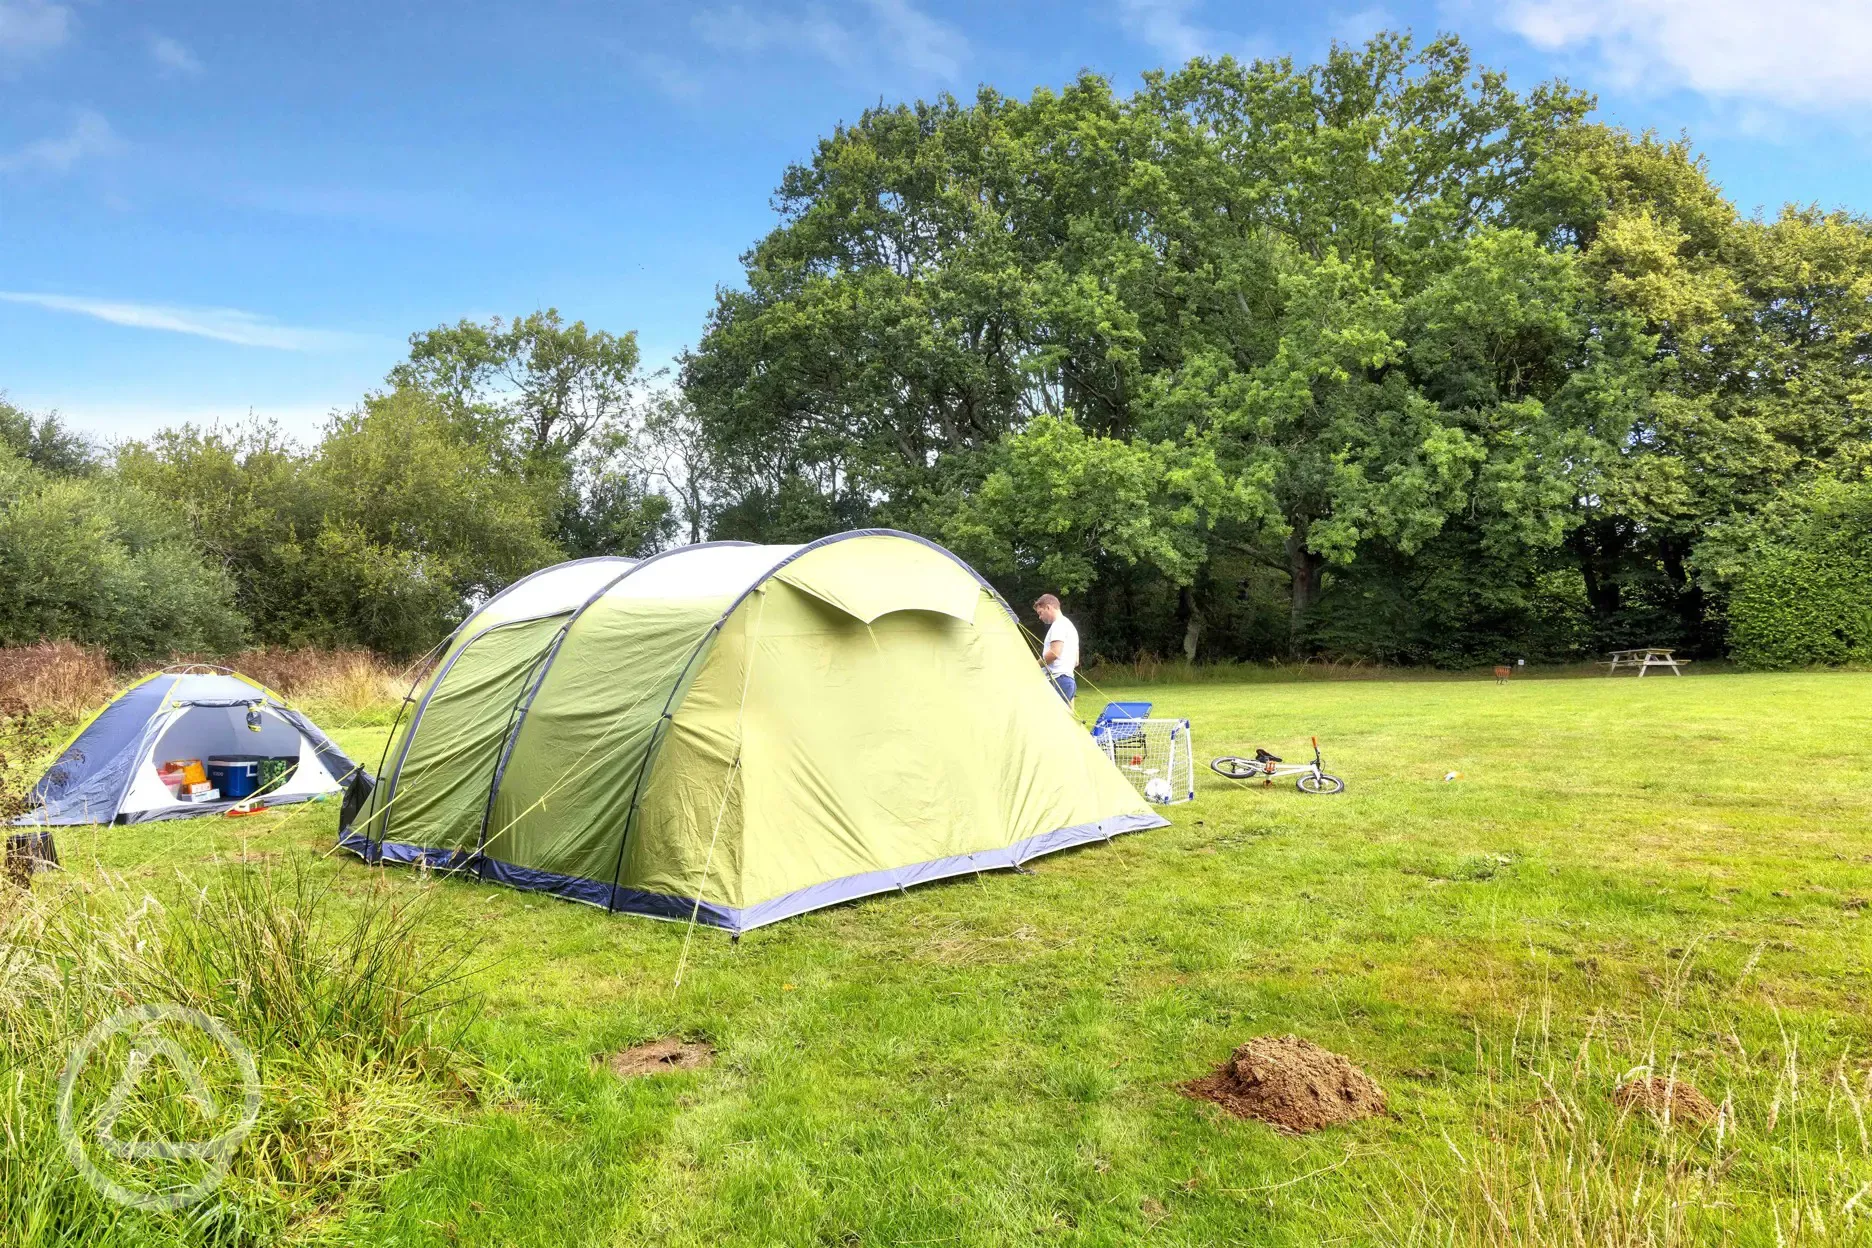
(104, 564)
(1800, 578)
(1798, 608)
(381, 536)
(46, 442)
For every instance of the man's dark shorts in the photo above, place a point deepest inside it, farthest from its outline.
(1067, 686)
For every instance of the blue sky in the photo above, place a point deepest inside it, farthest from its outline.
(212, 208)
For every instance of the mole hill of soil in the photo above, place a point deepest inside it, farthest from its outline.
(1665, 1099)
(1290, 1083)
(657, 1056)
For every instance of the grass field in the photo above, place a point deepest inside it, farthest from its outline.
(1668, 874)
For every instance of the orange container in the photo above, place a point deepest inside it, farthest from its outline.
(190, 769)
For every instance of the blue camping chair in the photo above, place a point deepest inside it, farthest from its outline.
(1110, 726)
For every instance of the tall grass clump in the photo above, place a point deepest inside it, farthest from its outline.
(348, 682)
(65, 681)
(29, 739)
(353, 1020)
(1607, 1140)
(55, 678)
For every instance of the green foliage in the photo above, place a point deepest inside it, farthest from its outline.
(46, 442)
(381, 536)
(794, 509)
(609, 507)
(399, 476)
(675, 452)
(502, 449)
(1289, 314)
(103, 563)
(1380, 325)
(1760, 371)
(1801, 578)
(1057, 499)
(554, 401)
(1798, 608)
(535, 385)
(246, 498)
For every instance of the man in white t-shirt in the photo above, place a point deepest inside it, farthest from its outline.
(1059, 653)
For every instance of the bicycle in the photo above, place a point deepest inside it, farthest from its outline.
(1309, 777)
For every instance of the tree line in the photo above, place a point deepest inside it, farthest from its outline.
(1373, 358)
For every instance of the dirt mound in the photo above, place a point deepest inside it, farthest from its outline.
(657, 1056)
(1678, 1100)
(1290, 1083)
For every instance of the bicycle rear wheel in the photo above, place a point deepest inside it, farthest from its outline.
(1235, 768)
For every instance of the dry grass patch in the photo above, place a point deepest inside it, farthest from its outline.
(55, 678)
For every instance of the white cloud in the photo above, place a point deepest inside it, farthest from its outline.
(1170, 28)
(669, 76)
(173, 57)
(896, 31)
(919, 40)
(1358, 27)
(735, 29)
(31, 28)
(245, 329)
(1813, 55)
(1166, 26)
(90, 135)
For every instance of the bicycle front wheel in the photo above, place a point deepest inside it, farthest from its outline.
(1320, 782)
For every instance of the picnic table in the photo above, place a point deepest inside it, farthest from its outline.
(1644, 658)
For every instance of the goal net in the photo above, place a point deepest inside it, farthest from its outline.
(1156, 755)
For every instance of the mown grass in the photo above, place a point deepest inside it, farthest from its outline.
(1666, 875)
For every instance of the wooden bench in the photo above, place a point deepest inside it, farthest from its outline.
(1644, 658)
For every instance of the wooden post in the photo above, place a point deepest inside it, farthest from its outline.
(27, 853)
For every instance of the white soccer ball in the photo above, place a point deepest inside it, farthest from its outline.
(1157, 789)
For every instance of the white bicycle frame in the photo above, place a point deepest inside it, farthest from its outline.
(1270, 772)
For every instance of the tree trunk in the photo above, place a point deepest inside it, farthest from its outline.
(1689, 594)
(1602, 592)
(1192, 622)
(1305, 570)
(692, 503)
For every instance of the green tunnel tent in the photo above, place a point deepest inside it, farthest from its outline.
(740, 733)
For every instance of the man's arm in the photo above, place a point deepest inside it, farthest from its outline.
(1051, 652)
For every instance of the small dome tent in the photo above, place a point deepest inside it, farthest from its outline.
(107, 773)
(740, 733)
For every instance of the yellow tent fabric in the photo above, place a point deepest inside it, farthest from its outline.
(871, 577)
(740, 733)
